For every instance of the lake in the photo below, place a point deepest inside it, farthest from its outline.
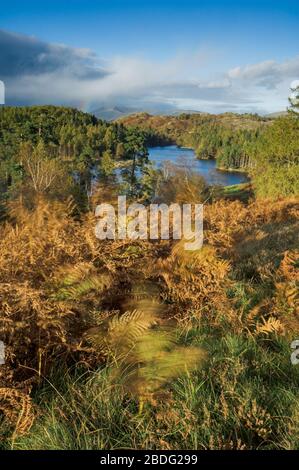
(182, 156)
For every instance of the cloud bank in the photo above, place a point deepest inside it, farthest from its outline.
(36, 72)
(267, 74)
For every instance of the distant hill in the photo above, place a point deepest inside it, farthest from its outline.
(180, 128)
(113, 113)
(277, 114)
(116, 112)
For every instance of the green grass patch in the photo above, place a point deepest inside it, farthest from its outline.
(246, 397)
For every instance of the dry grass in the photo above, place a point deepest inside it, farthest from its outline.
(57, 281)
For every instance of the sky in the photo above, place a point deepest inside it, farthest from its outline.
(211, 56)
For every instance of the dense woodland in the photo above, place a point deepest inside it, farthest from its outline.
(141, 344)
(67, 142)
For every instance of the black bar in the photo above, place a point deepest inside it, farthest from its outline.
(142, 458)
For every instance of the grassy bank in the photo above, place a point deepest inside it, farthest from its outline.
(246, 397)
(242, 191)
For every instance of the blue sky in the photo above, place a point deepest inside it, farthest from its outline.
(213, 56)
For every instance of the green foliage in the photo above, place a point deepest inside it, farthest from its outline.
(246, 398)
(136, 151)
(79, 141)
(229, 146)
(240, 192)
(294, 100)
(73, 282)
(120, 151)
(276, 157)
(107, 165)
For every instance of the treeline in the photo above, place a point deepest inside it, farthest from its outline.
(224, 137)
(269, 153)
(78, 144)
(230, 147)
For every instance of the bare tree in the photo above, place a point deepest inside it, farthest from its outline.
(41, 171)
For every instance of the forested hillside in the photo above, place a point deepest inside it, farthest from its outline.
(268, 149)
(224, 137)
(66, 142)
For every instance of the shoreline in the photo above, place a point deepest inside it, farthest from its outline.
(229, 170)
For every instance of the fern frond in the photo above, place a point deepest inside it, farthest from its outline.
(120, 333)
(73, 282)
(269, 326)
(78, 290)
(145, 357)
(17, 408)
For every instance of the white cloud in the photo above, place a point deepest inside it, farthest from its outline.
(36, 72)
(267, 73)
